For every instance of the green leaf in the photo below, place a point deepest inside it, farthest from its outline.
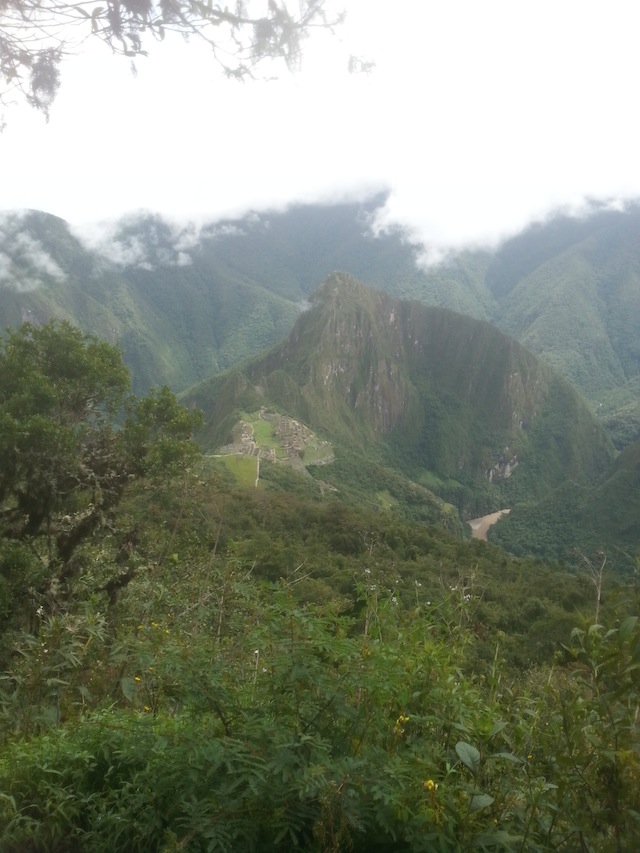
(9, 799)
(493, 839)
(508, 756)
(128, 687)
(469, 756)
(497, 727)
(480, 801)
(627, 628)
(85, 693)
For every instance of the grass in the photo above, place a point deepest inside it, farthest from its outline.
(262, 430)
(243, 468)
(263, 434)
(316, 452)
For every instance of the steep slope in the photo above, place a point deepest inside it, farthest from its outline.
(569, 290)
(580, 310)
(176, 320)
(189, 303)
(290, 251)
(573, 520)
(45, 272)
(450, 401)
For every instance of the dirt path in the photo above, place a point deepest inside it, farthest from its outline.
(480, 526)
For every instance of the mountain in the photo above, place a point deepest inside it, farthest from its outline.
(580, 308)
(188, 303)
(177, 320)
(567, 288)
(184, 303)
(449, 401)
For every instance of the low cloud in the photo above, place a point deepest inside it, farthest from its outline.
(25, 264)
(141, 241)
(148, 241)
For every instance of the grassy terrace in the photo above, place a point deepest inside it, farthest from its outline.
(245, 469)
(263, 433)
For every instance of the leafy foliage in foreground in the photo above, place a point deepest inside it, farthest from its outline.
(72, 441)
(212, 705)
(36, 37)
(242, 719)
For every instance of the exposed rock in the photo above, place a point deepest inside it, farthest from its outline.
(503, 468)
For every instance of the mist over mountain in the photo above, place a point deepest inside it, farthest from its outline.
(187, 302)
(177, 320)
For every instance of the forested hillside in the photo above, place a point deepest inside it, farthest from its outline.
(175, 324)
(188, 303)
(447, 400)
(192, 666)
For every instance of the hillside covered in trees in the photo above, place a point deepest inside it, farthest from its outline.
(260, 622)
(186, 303)
(218, 668)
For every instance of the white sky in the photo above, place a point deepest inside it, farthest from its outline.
(481, 115)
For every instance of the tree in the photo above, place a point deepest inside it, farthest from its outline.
(35, 35)
(73, 438)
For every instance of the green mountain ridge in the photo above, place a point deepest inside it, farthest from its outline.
(573, 521)
(186, 305)
(175, 324)
(449, 401)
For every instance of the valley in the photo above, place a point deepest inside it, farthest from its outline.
(568, 289)
(480, 526)
(287, 608)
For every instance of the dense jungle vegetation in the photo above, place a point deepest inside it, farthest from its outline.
(189, 666)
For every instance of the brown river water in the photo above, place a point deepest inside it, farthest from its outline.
(480, 526)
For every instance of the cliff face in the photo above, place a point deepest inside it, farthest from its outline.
(379, 355)
(360, 354)
(378, 360)
(433, 390)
